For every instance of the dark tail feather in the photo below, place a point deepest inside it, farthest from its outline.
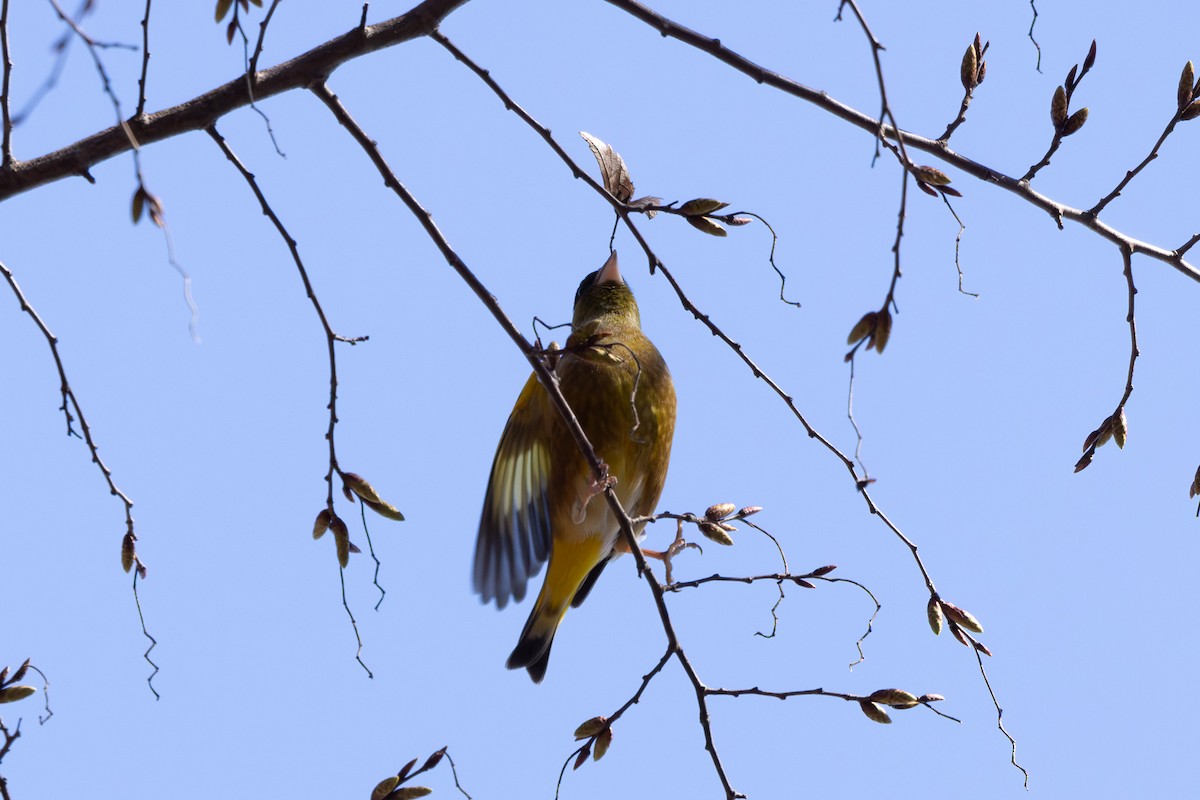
(533, 648)
(582, 592)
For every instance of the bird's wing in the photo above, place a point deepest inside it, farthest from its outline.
(514, 530)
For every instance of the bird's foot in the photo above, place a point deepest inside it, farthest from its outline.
(595, 487)
(675, 548)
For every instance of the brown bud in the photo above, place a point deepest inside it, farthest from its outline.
(384, 788)
(19, 674)
(874, 712)
(934, 612)
(803, 584)
(982, 72)
(321, 525)
(1183, 94)
(406, 769)
(701, 206)
(719, 511)
(1195, 490)
(1091, 57)
(341, 537)
(1192, 111)
(582, 758)
(739, 220)
(1082, 463)
(359, 485)
(128, 556)
(896, 698)
(1058, 108)
(981, 647)
(707, 225)
(602, 743)
(433, 760)
(384, 510)
(861, 328)
(825, 570)
(1104, 432)
(960, 635)
(12, 694)
(749, 511)
(883, 330)
(1075, 121)
(1120, 429)
(962, 617)
(590, 728)
(930, 698)
(714, 533)
(931, 175)
(410, 793)
(969, 69)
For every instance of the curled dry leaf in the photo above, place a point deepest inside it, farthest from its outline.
(874, 712)
(708, 225)
(613, 173)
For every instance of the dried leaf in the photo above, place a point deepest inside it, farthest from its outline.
(1075, 121)
(613, 172)
(321, 524)
(1058, 108)
(644, 203)
(708, 225)
(1183, 95)
(701, 206)
(874, 712)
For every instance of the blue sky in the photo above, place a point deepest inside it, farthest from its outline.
(973, 417)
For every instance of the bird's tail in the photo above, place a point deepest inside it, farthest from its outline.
(570, 563)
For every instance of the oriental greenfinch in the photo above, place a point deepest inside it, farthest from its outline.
(541, 500)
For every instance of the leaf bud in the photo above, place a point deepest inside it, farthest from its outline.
(874, 712)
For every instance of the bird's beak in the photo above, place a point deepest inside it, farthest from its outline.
(610, 272)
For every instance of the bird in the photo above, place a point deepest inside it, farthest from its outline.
(542, 501)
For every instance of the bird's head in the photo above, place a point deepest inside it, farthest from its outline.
(604, 294)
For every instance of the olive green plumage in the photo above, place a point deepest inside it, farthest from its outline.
(541, 498)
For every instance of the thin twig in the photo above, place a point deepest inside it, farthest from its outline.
(6, 123)
(141, 105)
